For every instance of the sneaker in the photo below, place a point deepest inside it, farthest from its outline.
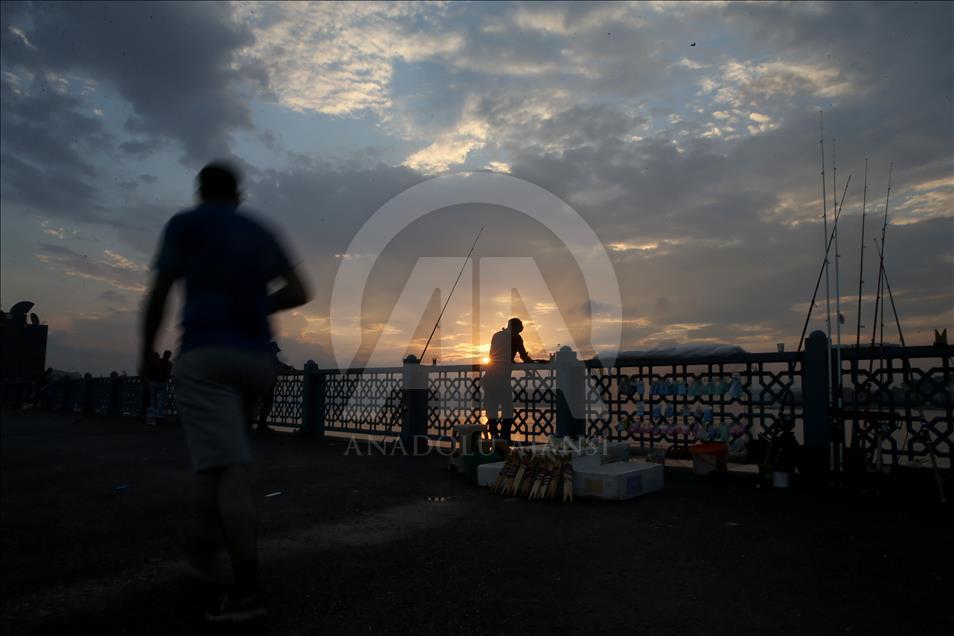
(233, 610)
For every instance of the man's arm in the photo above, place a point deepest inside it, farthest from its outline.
(522, 352)
(293, 293)
(152, 316)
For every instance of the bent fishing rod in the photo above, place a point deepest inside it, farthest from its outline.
(451, 294)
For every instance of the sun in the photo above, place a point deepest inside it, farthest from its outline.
(485, 360)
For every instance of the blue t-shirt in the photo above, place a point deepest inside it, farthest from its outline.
(227, 260)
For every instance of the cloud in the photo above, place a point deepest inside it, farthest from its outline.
(692, 65)
(451, 148)
(569, 19)
(112, 296)
(176, 64)
(498, 166)
(338, 58)
(746, 84)
(697, 167)
(112, 269)
(47, 141)
(927, 200)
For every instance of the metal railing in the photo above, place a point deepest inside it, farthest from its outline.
(659, 402)
(898, 401)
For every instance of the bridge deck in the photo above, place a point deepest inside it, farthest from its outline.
(354, 546)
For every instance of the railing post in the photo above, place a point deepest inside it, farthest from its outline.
(115, 394)
(414, 425)
(815, 396)
(313, 401)
(570, 394)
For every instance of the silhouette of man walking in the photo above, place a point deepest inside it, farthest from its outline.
(227, 261)
(505, 345)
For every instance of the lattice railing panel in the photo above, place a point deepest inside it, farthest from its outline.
(900, 403)
(676, 404)
(534, 402)
(287, 400)
(369, 401)
(454, 397)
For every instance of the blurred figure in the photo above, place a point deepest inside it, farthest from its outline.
(158, 386)
(505, 345)
(227, 261)
(145, 381)
(269, 399)
(41, 384)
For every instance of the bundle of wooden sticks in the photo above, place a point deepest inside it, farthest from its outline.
(535, 475)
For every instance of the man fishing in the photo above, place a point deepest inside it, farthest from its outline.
(505, 345)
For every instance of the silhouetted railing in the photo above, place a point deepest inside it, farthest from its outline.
(900, 400)
(677, 402)
(904, 405)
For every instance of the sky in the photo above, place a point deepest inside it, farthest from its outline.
(686, 135)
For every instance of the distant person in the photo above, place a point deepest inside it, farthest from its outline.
(269, 399)
(227, 260)
(505, 345)
(159, 385)
(41, 384)
(145, 380)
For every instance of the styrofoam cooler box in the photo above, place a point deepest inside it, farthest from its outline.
(487, 473)
(619, 480)
(582, 460)
(615, 452)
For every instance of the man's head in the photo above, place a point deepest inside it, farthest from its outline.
(515, 325)
(166, 354)
(219, 181)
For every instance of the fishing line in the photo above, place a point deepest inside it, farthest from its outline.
(451, 294)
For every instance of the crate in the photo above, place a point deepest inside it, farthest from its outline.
(618, 481)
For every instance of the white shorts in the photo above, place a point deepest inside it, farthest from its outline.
(217, 389)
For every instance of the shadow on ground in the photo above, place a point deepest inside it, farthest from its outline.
(93, 511)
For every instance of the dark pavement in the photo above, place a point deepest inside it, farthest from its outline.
(353, 546)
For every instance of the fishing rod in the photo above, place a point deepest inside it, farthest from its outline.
(880, 291)
(811, 306)
(887, 285)
(907, 380)
(836, 381)
(821, 141)
(879, 304)
(801, 339)
(451, 294)
(894, 310)
(861, 267)
(824, 267)
(861, 282)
